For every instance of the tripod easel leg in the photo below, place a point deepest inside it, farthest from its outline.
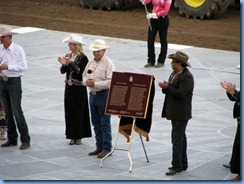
(144, 147)
(129, 147)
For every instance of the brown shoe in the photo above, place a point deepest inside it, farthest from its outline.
(96, 152)
(103, 154)
(238, 177)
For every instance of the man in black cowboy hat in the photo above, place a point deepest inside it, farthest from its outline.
(177, 107)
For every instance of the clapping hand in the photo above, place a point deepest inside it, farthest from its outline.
(229, 87)
(224, 84)
(163, 84)
(64, 61)
(3, 67)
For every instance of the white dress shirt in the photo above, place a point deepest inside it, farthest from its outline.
(101, 73)
(14, 57)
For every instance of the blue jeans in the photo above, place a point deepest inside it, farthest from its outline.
(101, 121)
(179, 142)
(11, 94)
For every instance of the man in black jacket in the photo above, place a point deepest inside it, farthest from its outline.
(177, 107)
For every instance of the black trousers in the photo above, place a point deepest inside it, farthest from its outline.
(159, 25)
(179, 142)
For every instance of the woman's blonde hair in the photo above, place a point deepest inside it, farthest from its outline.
(79, 48)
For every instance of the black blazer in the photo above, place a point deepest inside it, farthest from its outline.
(76, 68)
(178, 97)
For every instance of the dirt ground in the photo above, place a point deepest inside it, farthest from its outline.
(67, 15)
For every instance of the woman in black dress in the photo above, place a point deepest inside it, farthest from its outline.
(77, 118)
(235, 96)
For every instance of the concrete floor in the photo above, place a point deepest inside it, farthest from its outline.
(210, 132)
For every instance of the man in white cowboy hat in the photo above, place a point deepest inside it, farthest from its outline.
(97, 76)
(177, 107)
(13, 65)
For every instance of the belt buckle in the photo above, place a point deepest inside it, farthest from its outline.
(5, 78)
(70, 83)
(94, 92)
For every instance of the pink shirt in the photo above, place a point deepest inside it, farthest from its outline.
(160, 7)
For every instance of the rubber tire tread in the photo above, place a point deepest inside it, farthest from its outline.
(105, 4)
(210, 9)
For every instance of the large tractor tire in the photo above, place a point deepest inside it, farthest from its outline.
(108, 4)
(203, 9)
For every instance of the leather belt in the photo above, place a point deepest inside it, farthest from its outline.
(98, 92)
(5, 78)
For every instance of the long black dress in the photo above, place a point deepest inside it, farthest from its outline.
(77, 118)
(235, 157)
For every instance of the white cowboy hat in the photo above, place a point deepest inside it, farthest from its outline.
(180, 57)
(6, 30)
(74, 38)
(98, 45)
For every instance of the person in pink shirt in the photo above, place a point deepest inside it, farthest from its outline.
(159, 22)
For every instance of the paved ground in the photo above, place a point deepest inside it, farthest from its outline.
(210, 132)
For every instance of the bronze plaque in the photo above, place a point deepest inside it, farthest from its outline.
(129, 94)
